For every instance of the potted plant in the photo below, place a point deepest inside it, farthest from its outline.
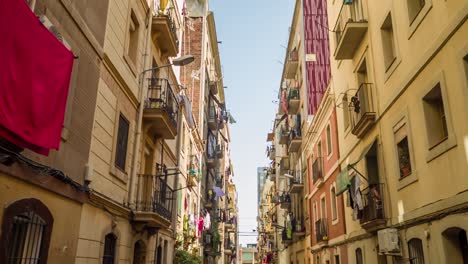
(405, 162)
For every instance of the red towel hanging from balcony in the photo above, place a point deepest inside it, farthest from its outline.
(35, 73)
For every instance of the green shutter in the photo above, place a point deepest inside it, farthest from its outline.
(342, 182)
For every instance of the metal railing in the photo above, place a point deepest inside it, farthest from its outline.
(295, 131)
(321, 230)
(161, 96)
(373, 204)
(362, 103)
(317, 169)
(297, 177)
(350, 12)
(154, 195)
(167, 13)
(294, 93)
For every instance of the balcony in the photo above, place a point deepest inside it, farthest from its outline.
(192, 179)
(229, 247)
(219, 151)
(350, 28)
(296, 184)
(317, 172)
(230, 225)
(283, 134)
(164, 32)
(154, 201)
(285, 201)
(219, 179)
(271, 152)
(214, 87)
(210, 246)
(363, 115)
(213, 118)
(373, 216)
(284, 163)
(210, 199)
(321, 230)
(295, 136)
(294, 100)
(291, 64)
(286, 237)
(161, 109)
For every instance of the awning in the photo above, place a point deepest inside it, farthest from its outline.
(363, 153)
(342, 181)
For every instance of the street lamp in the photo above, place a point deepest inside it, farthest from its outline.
(180, 61)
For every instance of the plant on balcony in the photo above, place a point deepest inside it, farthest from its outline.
(184, 257)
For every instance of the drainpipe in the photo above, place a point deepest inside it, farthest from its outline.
(141, 97)
(176, 180)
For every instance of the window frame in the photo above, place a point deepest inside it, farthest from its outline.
(328, 132)
(20, 207)
(414, 23)
(114, 255)
(334, 205)
(132, 62)
(360, 254)
(117, 149)
(433, 152)
(419, 250)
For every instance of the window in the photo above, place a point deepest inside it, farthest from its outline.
(26, 230)
(362, 76)
(465, 63)
(133, 37)
(436, 123)
(122, 141)
(323, 212)
(329, 141)
(319, 149)
(110, 242)
(414, 7)
(337, 259)
(388, 42)
(359, 259)
(455, 245)
(333, 203)
(139, 253)
(415, 251)
(404, 159)
(345, 111)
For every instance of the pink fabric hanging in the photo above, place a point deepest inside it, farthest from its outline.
(199, 226)
(35, 72)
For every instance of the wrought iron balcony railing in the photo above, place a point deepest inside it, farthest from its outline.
(321, 230)
(373, 213)
(161, 96)
(363, 112)
(154, 195)
(317, 169)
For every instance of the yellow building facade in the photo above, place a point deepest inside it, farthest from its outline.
(400, 82)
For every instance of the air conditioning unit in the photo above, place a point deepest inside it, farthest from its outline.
(389, 243)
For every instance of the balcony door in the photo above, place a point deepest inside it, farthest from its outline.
(139, 253)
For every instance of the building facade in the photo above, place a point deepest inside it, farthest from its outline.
(141, 156)
(399, 74)
(388, 121)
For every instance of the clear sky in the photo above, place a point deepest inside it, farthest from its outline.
(254, 35)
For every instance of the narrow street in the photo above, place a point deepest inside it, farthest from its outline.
(233, 132)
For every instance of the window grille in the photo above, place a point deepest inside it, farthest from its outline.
(26, 239)
(109, 249)
(415, 250)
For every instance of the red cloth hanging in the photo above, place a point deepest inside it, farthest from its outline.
(35, 72)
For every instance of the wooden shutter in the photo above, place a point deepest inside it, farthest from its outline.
(122, 140)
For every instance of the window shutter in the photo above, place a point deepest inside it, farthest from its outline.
(122, 140)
